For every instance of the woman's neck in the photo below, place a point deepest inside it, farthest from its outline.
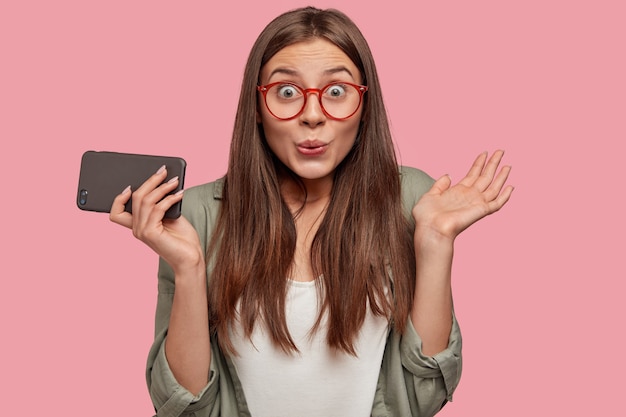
(308, 206)
(315, 191)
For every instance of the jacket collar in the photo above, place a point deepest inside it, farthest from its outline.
(218, 189)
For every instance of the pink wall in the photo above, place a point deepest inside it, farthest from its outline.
(539, 286)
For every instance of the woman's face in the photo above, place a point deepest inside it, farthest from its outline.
(311, 144)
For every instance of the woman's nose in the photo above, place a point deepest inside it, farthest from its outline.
(312, 114)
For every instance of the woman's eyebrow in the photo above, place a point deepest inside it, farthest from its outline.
(335, 70)
(281, 70)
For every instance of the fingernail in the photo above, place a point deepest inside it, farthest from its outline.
(179, 192)
(161, 169)
(126, 190)
(173, 179)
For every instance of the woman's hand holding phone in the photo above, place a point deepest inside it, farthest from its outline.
(175, 240)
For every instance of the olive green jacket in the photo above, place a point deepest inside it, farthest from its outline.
(410, 383)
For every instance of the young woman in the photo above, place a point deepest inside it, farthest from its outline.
(314, 278)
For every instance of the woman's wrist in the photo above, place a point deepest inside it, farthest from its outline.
(428, 239)
(190, 270)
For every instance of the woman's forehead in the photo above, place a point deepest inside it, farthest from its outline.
(317, 57)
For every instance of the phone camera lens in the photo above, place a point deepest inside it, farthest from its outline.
(82, 199)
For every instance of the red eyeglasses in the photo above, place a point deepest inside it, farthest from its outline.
(338, 100)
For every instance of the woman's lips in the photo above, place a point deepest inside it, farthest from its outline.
(312, 147)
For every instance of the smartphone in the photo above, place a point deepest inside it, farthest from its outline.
(104, 175)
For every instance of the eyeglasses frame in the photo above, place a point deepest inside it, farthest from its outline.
(263, 89)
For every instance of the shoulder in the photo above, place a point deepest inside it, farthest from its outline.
(414, 177)
(414, 182)
(201, 205)
(203, 195)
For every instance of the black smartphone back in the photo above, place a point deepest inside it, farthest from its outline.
(104, 175)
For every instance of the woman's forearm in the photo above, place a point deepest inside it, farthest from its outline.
(187, 347)
(432, 304)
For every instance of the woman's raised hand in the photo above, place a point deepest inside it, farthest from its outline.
(175, 240)
(446, 210)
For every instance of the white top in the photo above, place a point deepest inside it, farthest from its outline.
(317, 381)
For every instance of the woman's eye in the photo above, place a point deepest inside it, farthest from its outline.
(336, 90)
(287, 91)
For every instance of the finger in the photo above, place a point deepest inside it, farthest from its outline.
(156, 194)
(150, 184)
(489, 171)
(441, 185)
(502, 199)
(118, 213)
(140, 193)
(145, 207)
(152, 222)
(475, 171)
(165, 204)
(492, 192)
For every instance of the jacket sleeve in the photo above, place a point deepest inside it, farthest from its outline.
(432, 379)
(413, 384)
(169, 398)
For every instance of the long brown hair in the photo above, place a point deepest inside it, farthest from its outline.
(363, 237)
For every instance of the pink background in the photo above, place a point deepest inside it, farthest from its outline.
(539, 286)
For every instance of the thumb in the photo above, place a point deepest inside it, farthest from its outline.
(441, 185)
